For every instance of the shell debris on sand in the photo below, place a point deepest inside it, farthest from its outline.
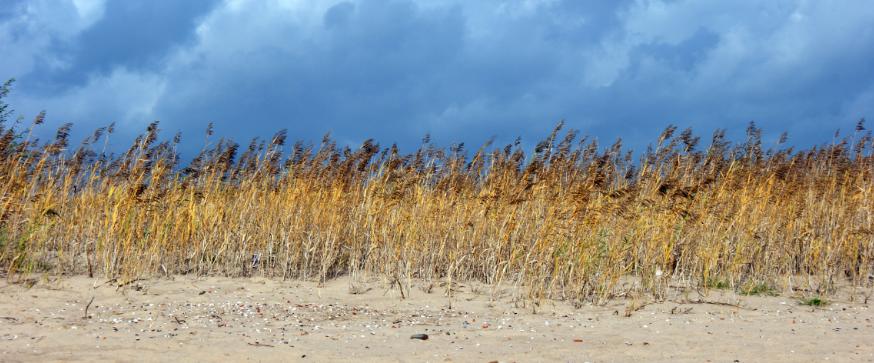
(238, 320)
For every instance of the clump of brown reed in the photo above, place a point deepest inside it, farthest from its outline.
(570, 221)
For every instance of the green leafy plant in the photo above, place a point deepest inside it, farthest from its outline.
(760, 288)
(714, 283)
(815, 301)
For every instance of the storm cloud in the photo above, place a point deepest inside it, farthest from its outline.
(459, 70)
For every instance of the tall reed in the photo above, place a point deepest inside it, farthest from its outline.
(572, 220)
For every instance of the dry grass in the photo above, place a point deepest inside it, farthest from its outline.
(571, 221)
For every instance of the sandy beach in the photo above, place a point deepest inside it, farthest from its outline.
(221, 319)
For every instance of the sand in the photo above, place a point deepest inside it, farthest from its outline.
(188, 319)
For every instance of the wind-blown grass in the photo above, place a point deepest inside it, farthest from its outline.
(571, 221)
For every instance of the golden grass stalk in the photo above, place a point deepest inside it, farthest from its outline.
(569, 221)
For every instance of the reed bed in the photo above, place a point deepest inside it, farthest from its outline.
(571, 220)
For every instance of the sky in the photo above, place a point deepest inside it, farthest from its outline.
(459, 70)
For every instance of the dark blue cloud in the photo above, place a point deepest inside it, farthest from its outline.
(136, 35)
(580, 22)
(11, 9)
(683, 56)
(339, 14)
(461, 71)
(377, 63)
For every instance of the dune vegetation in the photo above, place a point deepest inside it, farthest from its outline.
(571, 220)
